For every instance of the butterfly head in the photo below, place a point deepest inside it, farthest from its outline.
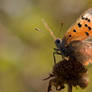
(58, 43)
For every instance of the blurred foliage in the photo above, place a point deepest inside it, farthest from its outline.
(26, 54)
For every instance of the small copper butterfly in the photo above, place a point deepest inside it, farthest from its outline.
(77, 41)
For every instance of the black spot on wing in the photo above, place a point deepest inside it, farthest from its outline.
(82, 17)
(86, 25)
(69, 35)
(79, 25)
(89, 28)
(88, 20)
(87, 33)
(74, 30)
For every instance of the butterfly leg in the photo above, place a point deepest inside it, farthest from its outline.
(50, 75)
(50, 85)
(56, 49)
(54, 53)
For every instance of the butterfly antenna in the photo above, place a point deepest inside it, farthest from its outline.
(49, 29)
(61, 26)
(37, 29)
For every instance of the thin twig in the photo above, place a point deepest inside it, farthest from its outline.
(69, 88)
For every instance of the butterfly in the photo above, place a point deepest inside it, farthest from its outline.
(77, 41)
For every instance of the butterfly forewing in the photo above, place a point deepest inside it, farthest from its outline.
(81, 29)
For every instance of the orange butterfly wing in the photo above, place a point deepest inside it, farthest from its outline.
(82, 28)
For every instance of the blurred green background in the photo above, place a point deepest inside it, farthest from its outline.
(26, 54)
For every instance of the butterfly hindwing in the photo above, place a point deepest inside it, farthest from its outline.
(81, 51)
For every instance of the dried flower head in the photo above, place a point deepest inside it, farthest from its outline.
(68, 72)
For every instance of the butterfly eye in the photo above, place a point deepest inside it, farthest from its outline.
(58, 41)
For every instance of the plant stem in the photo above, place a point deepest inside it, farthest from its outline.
(69, 88)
